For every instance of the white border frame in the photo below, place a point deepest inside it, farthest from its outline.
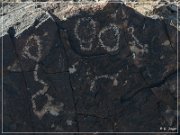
(178, 4)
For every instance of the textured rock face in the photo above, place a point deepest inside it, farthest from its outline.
(91, 68)
(166, 10)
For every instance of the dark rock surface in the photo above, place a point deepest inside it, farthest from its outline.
(90, 68)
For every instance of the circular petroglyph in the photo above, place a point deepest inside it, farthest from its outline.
(109, 38)
(85, 32)
(32, 49)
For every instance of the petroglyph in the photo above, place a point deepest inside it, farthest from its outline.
(48, 107)
(34, 41)
(136, 47)
(64, 73)
(106, 76)
(114, 37)
(72, 69)
(85, 32)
